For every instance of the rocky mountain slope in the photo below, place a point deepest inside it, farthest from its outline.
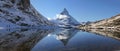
(113, 22)
(20, 13)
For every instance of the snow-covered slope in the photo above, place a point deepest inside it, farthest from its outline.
(64, 18)
(20, 13)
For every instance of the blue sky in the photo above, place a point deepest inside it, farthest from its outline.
(81, 10)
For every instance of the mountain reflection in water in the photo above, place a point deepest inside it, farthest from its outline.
(106, 32)
(59, 40)
(20, 39)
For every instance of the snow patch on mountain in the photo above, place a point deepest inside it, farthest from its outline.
(59, 16)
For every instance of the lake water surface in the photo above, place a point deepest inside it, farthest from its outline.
(59, 40)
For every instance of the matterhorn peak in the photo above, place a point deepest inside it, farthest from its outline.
(64, 18)
(65, 12)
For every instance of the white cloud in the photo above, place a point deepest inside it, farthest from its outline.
(61, 16)
(49, 18)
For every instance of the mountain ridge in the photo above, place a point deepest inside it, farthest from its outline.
(21, 13)
(111, 23)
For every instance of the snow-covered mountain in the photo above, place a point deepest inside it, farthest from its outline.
(64, 18)
(20, 13)
(65, 35)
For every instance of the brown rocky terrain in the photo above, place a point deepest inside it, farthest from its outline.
(110, 23)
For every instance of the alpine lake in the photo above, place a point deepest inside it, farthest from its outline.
(59, 40)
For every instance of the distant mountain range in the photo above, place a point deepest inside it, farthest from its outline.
(113, 22)
(16, 13)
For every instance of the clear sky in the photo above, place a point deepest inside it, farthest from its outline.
(81, 10)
